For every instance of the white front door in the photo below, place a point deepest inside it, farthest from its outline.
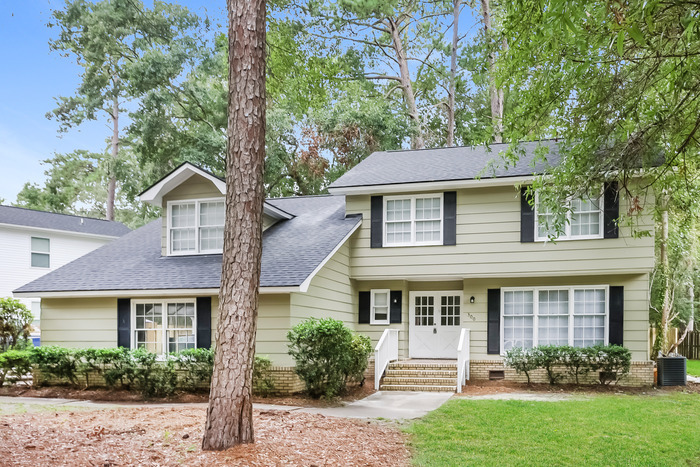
(434, 324)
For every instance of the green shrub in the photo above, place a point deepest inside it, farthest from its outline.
(611, 361)
(119, 368)
(14, 365)
(154, 377)
(521, 360)
(56, 362)
(361, 348)
(263, 383)
(549, 357)
(325, 355)
(577, 361)
(197, 366)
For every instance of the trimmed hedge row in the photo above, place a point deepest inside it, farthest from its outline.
(611, 361)
(120, 368)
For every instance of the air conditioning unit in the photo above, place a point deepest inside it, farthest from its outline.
(671, 371)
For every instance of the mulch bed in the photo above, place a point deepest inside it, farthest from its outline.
(170, 436)
(354, 392)
(485, 387)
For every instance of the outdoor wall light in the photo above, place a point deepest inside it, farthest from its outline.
(471, 299)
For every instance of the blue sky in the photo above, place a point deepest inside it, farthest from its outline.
(30, 78)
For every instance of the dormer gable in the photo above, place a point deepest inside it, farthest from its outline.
(192, 200)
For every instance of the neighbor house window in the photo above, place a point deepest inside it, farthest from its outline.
(413, 220)
(583, 220)
(379, 307)
(41, 252)
(574, 316)
(164, 327)
(196, 227)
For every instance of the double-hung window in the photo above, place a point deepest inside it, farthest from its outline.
(164, 326)
(41, 252)
(379, 307)
(413, 220)
(584, 220)
(574, 316)
(196, 227)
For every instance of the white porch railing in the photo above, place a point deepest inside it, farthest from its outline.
(463, 358)
(387, 350)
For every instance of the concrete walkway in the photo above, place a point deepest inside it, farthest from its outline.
(390, 405)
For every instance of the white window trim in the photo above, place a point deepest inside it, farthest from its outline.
(197, 203)
(372, 319)
(164, 306)
(566, 236)
(32, 252)
(535, 309)
(413, 220)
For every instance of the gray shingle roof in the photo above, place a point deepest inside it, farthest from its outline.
(292, 249)
(445, 164)
(50, 220)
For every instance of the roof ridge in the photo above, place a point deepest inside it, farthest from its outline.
(58, 213)
(472, 146)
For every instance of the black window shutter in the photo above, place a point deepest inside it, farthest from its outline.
(124, 322)
(395, 306)
(377, 222)
(611, 210)
(493, 332)
(364, 308)
(203, 322)
(616, 315)
(527, 218)
(449, 229)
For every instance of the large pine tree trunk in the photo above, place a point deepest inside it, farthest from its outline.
(230, 413)
(112, 184)
(495, 93)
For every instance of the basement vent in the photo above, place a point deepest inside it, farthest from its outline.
(497, 374)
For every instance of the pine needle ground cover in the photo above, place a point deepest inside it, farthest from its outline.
(600, 430)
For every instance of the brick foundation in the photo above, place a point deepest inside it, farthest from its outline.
(286, 380)
(641, 374)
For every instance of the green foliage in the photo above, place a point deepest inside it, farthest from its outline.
(197, 366)
(650, 430)
(521, 360)
(14, 364)
(326, 355)
(15, 322)
(56, 362)
(360, 349)
(611, 361)
(263, 382)
(154, 378)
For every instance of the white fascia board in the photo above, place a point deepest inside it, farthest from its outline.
(58, 231)
(509, 275)
(274, 212)
(430, 186)
(304, 287)
(143, 293)
(154, 195)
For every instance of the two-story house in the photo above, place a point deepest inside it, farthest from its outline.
(425, 251)
(33, 243)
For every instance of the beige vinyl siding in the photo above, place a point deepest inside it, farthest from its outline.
(330, 294)
(488, 244)
(79, 322)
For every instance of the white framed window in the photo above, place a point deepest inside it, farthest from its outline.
(164, 326)
(41, 252)
(413, 220)
(196, 226)
(379, 306)
(584, 220)
(533, 316)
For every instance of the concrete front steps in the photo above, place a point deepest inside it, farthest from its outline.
(420, 375)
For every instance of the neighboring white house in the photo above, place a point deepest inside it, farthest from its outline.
(33, 243)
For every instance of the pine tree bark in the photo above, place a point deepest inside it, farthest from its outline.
(453, 75)
(495, 93)
(112, 184)
(230, 413)
(417, 140)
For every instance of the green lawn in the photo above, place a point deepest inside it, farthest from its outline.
(602, 430)
(693, 367)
